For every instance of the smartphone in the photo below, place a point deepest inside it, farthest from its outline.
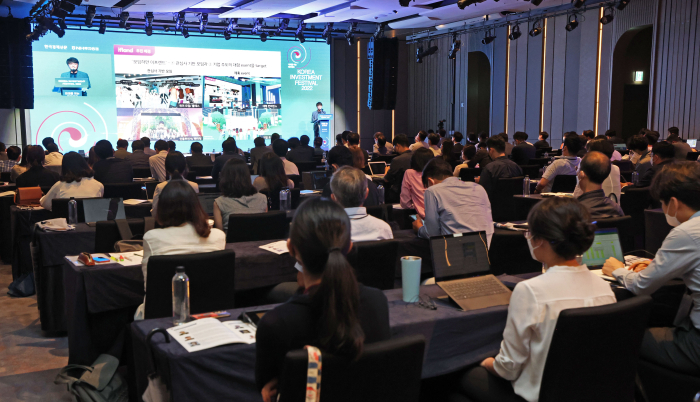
(100, 259)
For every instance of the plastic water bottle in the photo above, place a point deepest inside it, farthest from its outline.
(72, 211)
(635, 178)
(380, 192)
(181, 296)
(285, 199)
(526, 186)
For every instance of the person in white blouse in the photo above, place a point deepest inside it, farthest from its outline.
(176, 169)
(185, 229)
(559, 231)
(76, 181)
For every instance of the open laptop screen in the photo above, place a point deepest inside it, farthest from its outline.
(620, 147)
(459, 256)
(103, 209)
(377, 168)
(605, 245)
(692, 143)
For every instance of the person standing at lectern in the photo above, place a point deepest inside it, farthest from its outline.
(315, 120)
(74, 73)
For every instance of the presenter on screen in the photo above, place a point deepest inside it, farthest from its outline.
(74, 73)
(314, 118)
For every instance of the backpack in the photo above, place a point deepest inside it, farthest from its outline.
(97, 383)
(129, 242)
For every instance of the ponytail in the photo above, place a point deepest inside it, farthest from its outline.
(175, 175)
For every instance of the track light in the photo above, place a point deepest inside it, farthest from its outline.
(180, 21)
(327, 31)
(350, 34)
(329, 39)
(283, 25)
(300, 32)
(419, 51)
(103, 27)
(263, 37)
(90, 15)
(607, 18)
(185, 32)
(622, 4)
(227, 35)
(578, 3)
(456, 44)
(62, 24)
(515, 34)
(420, 54)
(462, 4)
(123, 18)
(257, 26)
(488, 38)
(203, 21)
(537, 29)
(48, 24)
(128, 26)
(379, 32)
(148, 25)
(573, 23)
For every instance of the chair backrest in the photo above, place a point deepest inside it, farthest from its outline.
(531, 170)
(633, 201)
(201, 170)
(151, 188)
(59, 208)
(564, 183)
(625, 229)
(296, 179)
(375, 262)
(384, 212)
(54, 168)
(468, 174)
(541, 151)
(191, 176)
(692, 156)
(107, 233)
(5, 176)
(211, 282)
(624, 165)
(140, 173)
(206, 200)
(273, 200)
(376, 371)
(580, 365)
(124, 190)
(501, 197)
(306, 166)
(541, 162)
(383, 158)
(271, 225)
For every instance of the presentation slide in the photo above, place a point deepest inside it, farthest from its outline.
(89, 87)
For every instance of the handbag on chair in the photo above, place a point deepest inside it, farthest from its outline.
(28, 196)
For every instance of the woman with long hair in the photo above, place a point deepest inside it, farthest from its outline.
(184, 228)
(37, 175)
(448, 153)
(334, 312)
(175, 169)
(21, 167)
(272, 177)
(412, 189)
(238, 195)
(76, 181)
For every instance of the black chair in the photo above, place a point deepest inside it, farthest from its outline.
(692, 156)
(191, 176)
(316, 180)
(273, 201)
(624, 165)
(386, 371)
(201, 170)
(384, 212)
(468, 174)
(539, 152)
(206, 200)
(656, 228)
(383, 158)
(541, 162)
(306, 166)
(59, 208)
(625, 228)
(634, 201)
(124, 190)
(375, 262)
(271, 225)
(501, 198)
(296, 179)
(662, 385)
(5, 176)
(107, 233)
(564, 183)
(533, 171)
(151, 188)
(211, 286)
(142, 173)
(579, 355)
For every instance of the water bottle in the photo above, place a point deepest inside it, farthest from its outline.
(635, 178)
(546, 154)
(181, 296)
(526, 186)
(72, 211)
(285, 200)
(325, 160)
(380, 192)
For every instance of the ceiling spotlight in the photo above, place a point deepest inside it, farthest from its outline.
(420, 54)
(203, 21)
(127, 26)
(404, 3)
(329, 39)
(263, 37)
(123, 18)
(456, 44)
(573, 23)
(350, 34)
(515, 34)
(419, 51)
(180, 21)
(166, 29)
(257, 26)
(227, 34)
(462, 4)
(89, 16)
(379, 32)
(48, 24)
(283, 25)
(578, 3)
(61, 8)
(62, 24)
(185, 32)
(607, 18)
(622, 4)
(537, 29)
(327, 31)
(488, 38)
(300, 32)
(103, 27)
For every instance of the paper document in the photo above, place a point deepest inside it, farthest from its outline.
(278, 247)
(7, 194)
(599, 272)
(208, 333)
(134, 202)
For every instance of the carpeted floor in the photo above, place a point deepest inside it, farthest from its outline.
(28, 361)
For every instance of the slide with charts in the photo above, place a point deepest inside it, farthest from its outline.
(604, 246)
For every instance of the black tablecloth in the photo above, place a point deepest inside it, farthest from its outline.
(22, 225)
(6, 229)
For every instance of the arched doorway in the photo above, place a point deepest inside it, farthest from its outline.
(629, 97)
(478, 92)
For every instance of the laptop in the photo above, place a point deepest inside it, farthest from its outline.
(606, 244)
(692, 143)
(103, 209)
(378, 169)
(620, 147)
(206, 200)
(462, 269)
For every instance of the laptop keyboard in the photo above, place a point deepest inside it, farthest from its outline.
(481, 287)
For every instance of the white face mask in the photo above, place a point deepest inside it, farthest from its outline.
(532, 249)
(672, 220)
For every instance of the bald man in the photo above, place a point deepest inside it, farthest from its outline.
(594, 169)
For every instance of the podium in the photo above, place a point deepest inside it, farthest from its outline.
(324, 127)
(71, 86)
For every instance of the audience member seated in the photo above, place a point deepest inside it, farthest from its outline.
(122, 149)
(354, 142)
(279, 147)
(566, 164)
(238, 195)
(681, 148)
(522, 151)
(542, 141)
(45, 143)
(595, 168)
(147, 146)
(230, 151)
(334, 312)
(509, 146)
(305, 147)
(381, 146)
(36, 174)
(14, 155)
(434, 144)
(349, 187)
(457, 138)
(299, 152)
(412, 189)
(447, 153)
(611, 186)
(184, 229)
(76, 181)
(108, 169)
(137, 157)
(257, 152)
(420, 141)
(452, 206)
(468, 153)
(442, 133)
(677, 186)
(500, 168)
(198, 158)
(394, 176)
(274, 137)
(652, 138)
(157, 161)
(176, 169)
(53, 157)
(358, 159)
(21, 167)
(3, 152)
(318, 142)
(559, 231)
(612, 137)
(272, 177)
(639, 154)
(340, 156)
(482, 157)
(171, 146)
(662, 154)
